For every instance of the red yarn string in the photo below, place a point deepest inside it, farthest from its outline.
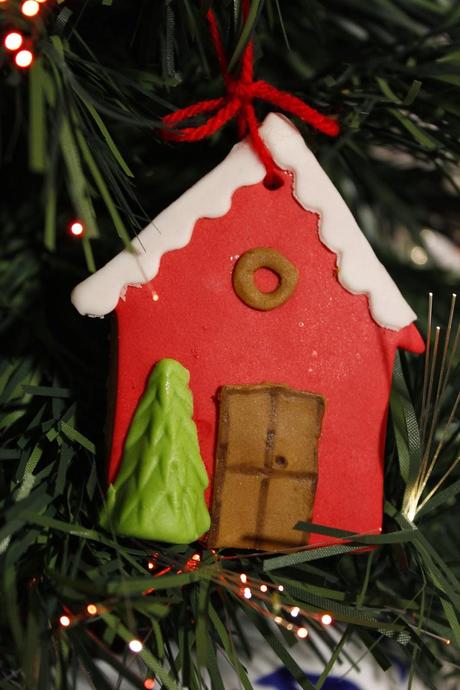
(239, 102)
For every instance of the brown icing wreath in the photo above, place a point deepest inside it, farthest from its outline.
(247, 290)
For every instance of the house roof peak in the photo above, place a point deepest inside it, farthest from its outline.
(359, 270)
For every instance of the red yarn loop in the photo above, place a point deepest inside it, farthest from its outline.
(238, 103)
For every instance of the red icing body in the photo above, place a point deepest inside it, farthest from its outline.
(322, 340)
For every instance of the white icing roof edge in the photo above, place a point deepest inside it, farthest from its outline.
(360, 272)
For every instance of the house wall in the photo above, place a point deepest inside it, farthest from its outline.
(322, 340)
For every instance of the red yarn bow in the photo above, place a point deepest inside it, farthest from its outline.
(239, 102)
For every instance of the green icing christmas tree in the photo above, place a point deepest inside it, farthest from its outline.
(158, 493)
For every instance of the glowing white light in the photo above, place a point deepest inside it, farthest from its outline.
(302, 633)
(247, 593)
(326, 619)
(295, 611)
(281, 588)
(76, 228)
(13, 40)
(30, 8)
(263, 588)
(243, 578)
(24, 58)
(136, 646)
(278, 619)
(64, 621)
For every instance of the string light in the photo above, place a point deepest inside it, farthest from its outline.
(281, 588)
(149, 683)
(153, 562)
(13, 40)
(136, 646)
(30, 8)
(76, 229)
(155, 296)
(193, 562)
(24, 58)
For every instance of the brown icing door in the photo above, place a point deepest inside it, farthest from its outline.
(266, 466)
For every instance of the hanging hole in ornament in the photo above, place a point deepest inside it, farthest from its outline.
(273, 182)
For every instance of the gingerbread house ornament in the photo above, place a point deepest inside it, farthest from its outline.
(275, 303)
